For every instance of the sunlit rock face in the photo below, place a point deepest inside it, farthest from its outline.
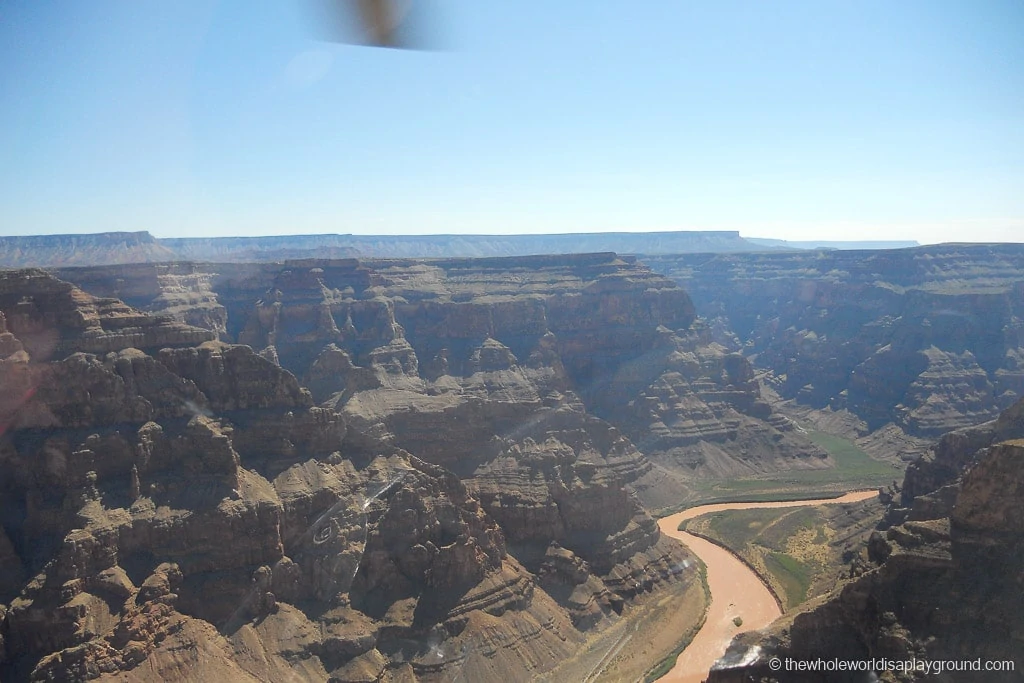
(172, 502)
(942, 577)
(338, 468)
(188, 494)
(930, 338)
(52, 317)
(447, 353)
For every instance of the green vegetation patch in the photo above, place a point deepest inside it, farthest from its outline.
(788, 547)
(850, 459)
(854, 469)
(798, 551)
(735, 528)
(794, 576)
(789, 523)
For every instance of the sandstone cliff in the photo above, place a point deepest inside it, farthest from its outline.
(444, 354)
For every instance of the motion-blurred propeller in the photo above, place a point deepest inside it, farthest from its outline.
(401, 24)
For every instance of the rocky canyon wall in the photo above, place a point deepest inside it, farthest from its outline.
(174, 506)
(929, 339)
(445, 354)
(401, 472)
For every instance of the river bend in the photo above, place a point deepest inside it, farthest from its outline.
(736, 591)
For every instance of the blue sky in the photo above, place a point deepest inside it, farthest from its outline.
(798, 120)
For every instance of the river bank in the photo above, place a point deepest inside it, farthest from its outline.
(740, 600)
(649, 632)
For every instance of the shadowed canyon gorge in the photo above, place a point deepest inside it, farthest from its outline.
(450, 469)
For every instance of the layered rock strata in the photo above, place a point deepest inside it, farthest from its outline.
(929, 339)
(176, 506)
(447, 353)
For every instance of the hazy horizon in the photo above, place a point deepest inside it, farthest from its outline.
(802, 121)
(440, 234)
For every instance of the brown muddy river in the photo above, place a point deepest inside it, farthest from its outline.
(736, 591)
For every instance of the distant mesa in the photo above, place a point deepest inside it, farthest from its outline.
(832, 244)
(107, 248)
(82, 250)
